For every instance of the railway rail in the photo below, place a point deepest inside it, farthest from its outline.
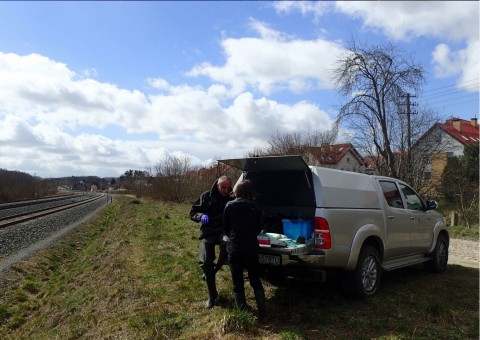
(12, 217)
(24, 203)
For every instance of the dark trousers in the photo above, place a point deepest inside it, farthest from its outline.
(207, 254)
(249, 262)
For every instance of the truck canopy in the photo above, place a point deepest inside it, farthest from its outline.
(287, 181)
(344, 189)
(283, 184)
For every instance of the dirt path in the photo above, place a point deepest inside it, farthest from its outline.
(464, 253)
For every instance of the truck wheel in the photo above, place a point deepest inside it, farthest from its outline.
(439, 260)
(364, 281)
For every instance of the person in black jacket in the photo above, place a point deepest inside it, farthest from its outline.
(208, 211)
(242, 220)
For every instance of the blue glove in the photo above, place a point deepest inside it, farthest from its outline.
(204, 219)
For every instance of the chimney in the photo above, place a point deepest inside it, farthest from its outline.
(474, 122)
(456, 122)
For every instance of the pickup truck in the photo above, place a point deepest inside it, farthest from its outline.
(361, 224)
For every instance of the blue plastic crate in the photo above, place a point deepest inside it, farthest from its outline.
(294, 229)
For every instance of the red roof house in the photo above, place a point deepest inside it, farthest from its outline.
(444, 140)
(337, 156)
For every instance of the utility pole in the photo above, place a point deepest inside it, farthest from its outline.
(409, 136)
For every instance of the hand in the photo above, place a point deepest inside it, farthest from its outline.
(204, 219)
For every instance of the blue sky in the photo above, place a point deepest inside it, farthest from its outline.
(98, 88)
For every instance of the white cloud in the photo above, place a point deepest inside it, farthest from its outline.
(447, 63)
(273, 62)
(464, 62)
(47, 110)
(452, 21)
(455, 20)
(35, 87)
(317, 8)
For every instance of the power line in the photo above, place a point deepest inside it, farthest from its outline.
(452, 85)
(451, 95)
(448, 92)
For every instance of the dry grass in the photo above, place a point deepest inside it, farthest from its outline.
(132, 274)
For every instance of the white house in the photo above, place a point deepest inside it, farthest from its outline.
(337, 156)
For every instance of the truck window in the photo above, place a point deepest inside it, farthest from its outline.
(414, 202)
(391, 194)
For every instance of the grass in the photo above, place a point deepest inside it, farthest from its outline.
(464, 233)
(132, 273)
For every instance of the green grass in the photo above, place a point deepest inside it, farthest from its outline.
(465, 233)
(132, 273)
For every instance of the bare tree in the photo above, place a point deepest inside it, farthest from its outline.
(296, 143)
(376, 80)
(172, 182)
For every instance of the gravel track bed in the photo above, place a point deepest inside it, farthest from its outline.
(41, 205)
(20, 241)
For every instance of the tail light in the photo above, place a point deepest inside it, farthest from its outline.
(263, 240)
(323, 239)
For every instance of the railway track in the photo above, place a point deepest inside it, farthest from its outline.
(20, 217)
(25, 203)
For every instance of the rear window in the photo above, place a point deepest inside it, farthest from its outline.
(391, 194)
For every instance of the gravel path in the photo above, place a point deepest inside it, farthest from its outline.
(22, 241)
(464, 253)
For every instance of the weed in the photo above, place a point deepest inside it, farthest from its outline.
(290, 335)
(237, 321)
(30, 287)
(4, 314)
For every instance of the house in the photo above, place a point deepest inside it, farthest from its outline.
(371, 164)
(210, 173)
(444, 140)
(337, 156)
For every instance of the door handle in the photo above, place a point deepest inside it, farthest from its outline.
(391, 217)
(412, 218)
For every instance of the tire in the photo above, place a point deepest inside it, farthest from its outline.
(364, 281)
(439, 260)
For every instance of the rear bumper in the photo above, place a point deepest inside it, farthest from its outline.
(308, 267)
(312, 261)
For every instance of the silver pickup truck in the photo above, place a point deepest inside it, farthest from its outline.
(335, 219)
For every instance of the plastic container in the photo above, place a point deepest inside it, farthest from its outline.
(298, 229)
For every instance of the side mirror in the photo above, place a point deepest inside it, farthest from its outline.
(432, 205)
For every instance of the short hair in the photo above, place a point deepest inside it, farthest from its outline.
(244, 189)
(224, 178)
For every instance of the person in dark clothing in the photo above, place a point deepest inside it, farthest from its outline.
(208, 211)
(242, 220)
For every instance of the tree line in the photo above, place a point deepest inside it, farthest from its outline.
(16, 185)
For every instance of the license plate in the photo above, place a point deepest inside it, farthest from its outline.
(271, 260)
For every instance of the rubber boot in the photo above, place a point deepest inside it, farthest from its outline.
(240, 300)
(212, 290)
(260, 299)
(218, 266)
